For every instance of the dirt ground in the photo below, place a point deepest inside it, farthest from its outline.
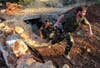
(85, 52)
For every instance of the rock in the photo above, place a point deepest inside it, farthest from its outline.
(2, 62)
(19, 30)
(2, 25)
(19, 48)
(9, 56)
(42, 65)
(17, 45)
(88, 50)
(25, 61)
(66, 66)
(24, 36)
(11, 8)
(11, 39)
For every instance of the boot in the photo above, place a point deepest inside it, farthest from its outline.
(67, 49)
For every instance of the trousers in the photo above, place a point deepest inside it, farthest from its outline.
(69, 41)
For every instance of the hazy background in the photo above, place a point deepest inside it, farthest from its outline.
(48, 3)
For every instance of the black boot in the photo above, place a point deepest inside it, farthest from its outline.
(67, 49)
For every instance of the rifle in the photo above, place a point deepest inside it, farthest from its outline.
(36, 52)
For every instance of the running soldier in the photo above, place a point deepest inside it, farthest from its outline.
(70, 22)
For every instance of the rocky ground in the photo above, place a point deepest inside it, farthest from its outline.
(84, 53)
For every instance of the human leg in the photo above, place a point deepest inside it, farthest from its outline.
(69, 44)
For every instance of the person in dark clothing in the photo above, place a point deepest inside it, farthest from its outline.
(70, 22)
(47, 30)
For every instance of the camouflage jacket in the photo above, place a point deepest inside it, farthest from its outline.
(46, 32)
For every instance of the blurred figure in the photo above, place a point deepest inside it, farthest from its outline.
(70, 22)
(47, 30)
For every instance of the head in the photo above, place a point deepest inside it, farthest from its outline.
(81, 11)
(47, 22)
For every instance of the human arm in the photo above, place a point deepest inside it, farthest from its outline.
(58, 20)
(41, 35)
(86, 22)
(90, 29)
(40, 32)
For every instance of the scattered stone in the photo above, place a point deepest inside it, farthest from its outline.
(48, 64)
(88, 50)
(66, 66)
